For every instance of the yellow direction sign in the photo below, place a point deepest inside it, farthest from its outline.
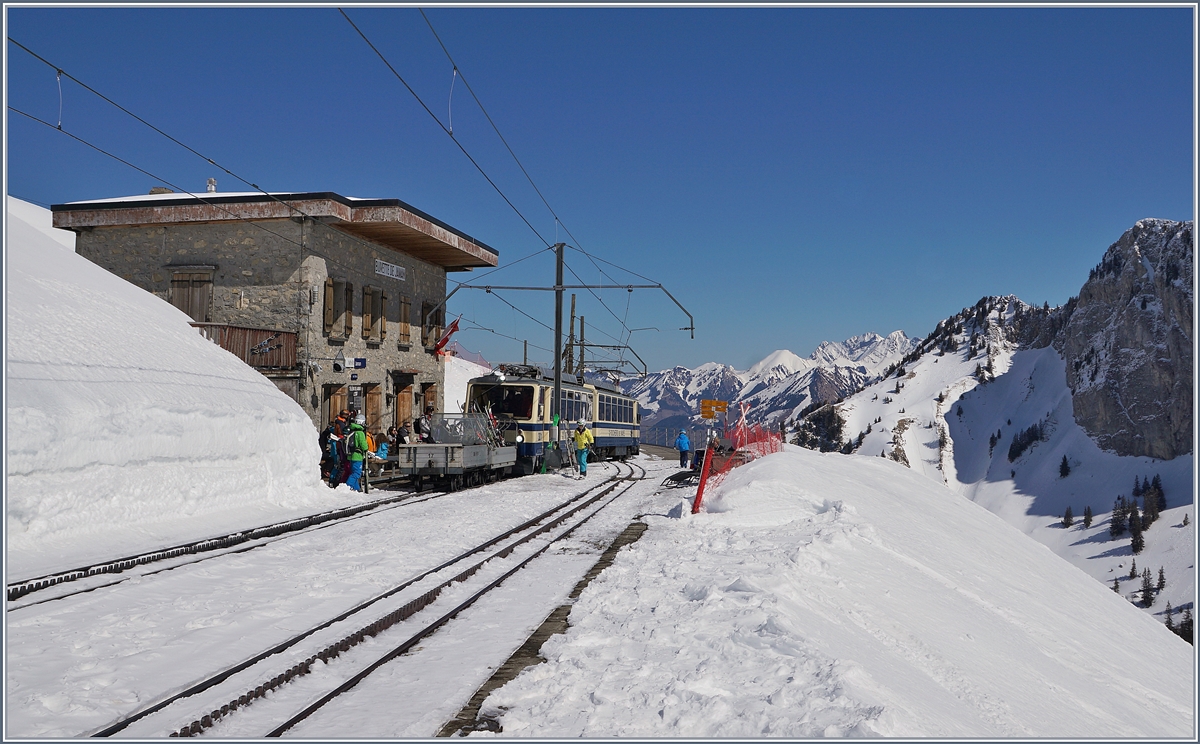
(709, 408)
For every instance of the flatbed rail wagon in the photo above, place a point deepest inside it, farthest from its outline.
(465, 451)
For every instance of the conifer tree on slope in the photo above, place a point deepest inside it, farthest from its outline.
(1185, 625)
(1147, 589)
(1116, 525)
(1087, 517)
(1158, 490)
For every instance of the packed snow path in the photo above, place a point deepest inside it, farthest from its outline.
(79, 664)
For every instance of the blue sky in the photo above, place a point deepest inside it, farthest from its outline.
(791, 175)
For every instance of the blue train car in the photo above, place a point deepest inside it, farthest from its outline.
(518, 397)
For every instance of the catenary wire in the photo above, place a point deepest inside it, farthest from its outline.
(495, 128)
(443, 127)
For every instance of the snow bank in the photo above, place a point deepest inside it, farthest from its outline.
(825, 595)
(458, 373)
(124, 426)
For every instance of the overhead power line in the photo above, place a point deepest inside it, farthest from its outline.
(433, 116)
(495, 128)
(459, 73)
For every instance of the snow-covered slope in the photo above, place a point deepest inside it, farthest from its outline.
(950, 419)
(824, 595)
(124, 425)
(778, 365)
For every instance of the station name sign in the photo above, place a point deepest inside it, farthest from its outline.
(383, 268)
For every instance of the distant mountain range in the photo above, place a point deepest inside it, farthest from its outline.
(778, 388)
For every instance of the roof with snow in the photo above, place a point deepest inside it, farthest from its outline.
(389, 222)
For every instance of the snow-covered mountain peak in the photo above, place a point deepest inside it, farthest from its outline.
(870, 351)
(779, 361)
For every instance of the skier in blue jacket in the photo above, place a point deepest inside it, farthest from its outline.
(684, 445)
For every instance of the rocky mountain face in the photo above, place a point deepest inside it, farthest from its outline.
(870, 353)
(1127, 341)
(778, 387)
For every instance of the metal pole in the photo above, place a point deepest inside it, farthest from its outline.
(571, 339)
(582, 346)
(525, 355)
(555, 411)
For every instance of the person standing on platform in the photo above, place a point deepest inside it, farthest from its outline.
(356, 450)
(684, 445)
(583, 438)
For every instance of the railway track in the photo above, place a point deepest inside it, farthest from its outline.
(344, 649)
(234, 542)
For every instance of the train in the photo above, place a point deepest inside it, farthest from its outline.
(517, 398)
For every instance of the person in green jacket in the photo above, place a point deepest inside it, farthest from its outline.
(583, 438)
(356, 448)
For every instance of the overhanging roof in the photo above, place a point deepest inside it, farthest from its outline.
(388, 222)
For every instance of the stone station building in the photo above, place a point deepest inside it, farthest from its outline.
(296, 285)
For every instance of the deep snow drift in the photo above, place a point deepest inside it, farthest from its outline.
(831, 595)
(124, 424)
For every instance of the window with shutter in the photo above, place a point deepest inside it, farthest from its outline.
(191, 292)
(405, 327)
(431, 328)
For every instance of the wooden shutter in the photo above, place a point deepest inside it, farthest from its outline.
(329, 304)
(383, 307)
(348, 310)
(368, 301)
(405, 325)
(192, 293)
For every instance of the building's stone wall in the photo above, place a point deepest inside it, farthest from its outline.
(272, 275)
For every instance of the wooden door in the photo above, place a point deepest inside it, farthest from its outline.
(334, 403)
(373, 409)
(402, 385)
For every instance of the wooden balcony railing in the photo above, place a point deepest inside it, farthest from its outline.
(261, 348)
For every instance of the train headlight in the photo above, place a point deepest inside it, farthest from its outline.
(520, 439)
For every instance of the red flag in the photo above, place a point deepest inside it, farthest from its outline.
(450, 329)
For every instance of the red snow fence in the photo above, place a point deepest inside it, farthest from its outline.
(748, 444)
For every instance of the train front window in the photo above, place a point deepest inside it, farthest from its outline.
(508, 401)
